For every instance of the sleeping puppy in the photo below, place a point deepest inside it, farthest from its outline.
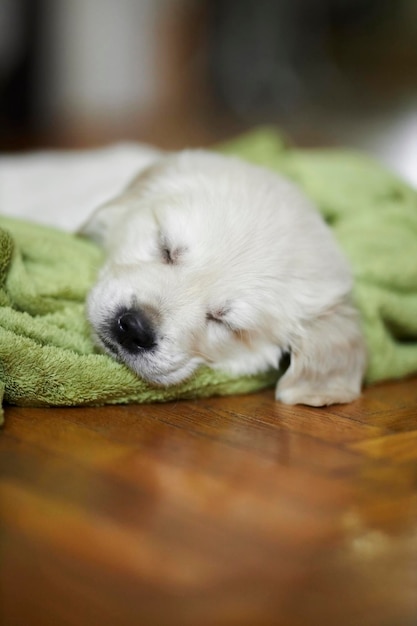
(214, 261)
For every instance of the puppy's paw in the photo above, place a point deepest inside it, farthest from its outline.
(328, 362)
(315, 397)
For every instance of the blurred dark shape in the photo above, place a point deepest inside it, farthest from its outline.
(273, 58)
(216, 63)
(19, 31)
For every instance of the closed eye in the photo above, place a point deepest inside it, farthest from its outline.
(167, 255)
(170, 254)
(219, 316)
(212, 317)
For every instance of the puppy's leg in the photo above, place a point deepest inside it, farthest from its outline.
(328, 364)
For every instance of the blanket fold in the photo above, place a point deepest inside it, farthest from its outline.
(46, 354)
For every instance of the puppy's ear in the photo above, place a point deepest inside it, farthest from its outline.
(102, 221)
(328, 363)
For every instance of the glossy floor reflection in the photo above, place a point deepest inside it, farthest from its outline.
(222, 511)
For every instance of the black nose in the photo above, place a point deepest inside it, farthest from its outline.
(133, 330)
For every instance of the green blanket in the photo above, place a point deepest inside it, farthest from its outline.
(46, 355)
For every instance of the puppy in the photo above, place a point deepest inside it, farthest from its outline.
(214, 261)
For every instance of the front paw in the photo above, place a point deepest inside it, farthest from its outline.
(314, 397)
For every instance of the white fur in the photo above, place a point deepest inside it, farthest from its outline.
(255, 273)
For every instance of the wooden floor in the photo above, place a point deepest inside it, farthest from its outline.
(229, 511)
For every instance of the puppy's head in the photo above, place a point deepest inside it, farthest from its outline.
(211, 260)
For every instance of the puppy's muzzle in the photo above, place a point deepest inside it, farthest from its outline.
(133, 331)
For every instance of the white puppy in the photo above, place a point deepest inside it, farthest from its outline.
(214, 261)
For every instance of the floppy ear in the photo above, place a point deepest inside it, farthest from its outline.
(100, 224)
(328, 364)
(102, 220)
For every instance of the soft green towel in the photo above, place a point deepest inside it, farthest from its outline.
(47, 358)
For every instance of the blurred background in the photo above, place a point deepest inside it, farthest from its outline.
(175, 73)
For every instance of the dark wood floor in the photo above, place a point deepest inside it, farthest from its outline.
(229, 511)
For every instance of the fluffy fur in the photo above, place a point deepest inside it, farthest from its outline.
(214, 261)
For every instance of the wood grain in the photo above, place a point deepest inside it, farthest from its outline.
(228, 511)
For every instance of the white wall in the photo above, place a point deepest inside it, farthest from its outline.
(100, 57)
